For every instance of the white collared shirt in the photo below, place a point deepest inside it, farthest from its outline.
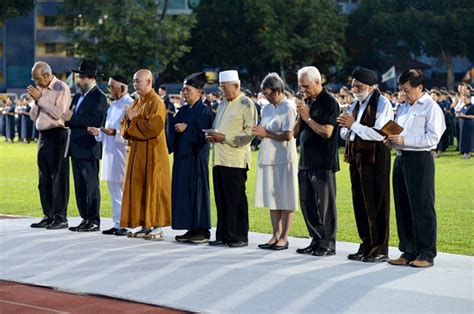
(81, 98)
(423, 124)
(383, 115)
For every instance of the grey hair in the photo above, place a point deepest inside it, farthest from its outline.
(311, 72)
(274, 82)
(43, 66)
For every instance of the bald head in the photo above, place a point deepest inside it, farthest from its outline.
(142, 82)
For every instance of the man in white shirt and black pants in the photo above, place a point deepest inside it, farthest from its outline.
(413, 172)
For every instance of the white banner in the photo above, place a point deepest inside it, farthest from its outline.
(390, 74)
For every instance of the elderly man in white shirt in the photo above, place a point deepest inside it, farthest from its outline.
(369, 165)
(413, 173)
(114, 149)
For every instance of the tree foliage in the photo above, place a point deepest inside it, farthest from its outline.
(12, 8)
(381, 31)
(259, 36)
(126, 35)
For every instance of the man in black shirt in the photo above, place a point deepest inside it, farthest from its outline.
(318, 133)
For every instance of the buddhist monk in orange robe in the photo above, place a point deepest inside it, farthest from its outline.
(146, 203)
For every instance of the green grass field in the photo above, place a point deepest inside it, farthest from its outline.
(454, 198)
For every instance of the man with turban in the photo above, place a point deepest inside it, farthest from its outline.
(369, 165)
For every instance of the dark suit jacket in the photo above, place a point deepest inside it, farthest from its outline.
(92, 112)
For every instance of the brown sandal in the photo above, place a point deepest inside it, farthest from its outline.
(155, 236)
(142, 233)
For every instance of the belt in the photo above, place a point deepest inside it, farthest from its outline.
(52, 130)
(411, 152)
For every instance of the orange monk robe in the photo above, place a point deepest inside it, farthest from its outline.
(146, 198)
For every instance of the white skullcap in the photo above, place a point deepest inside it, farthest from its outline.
(229, 76)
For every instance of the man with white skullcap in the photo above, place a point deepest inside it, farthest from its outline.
(114, 148)
(231, 136)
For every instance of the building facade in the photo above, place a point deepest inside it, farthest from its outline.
(39, 36)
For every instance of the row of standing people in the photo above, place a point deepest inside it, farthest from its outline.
(150, 200)
(15, 121)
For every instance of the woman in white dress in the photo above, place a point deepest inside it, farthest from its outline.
(277, 180)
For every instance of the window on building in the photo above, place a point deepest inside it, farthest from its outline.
(174, 4)
(51, 49)
(52, 21)
(49, 21)
(54, 49)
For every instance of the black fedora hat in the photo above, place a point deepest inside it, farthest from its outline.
(87, 67)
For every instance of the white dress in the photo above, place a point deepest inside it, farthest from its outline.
(276, 185)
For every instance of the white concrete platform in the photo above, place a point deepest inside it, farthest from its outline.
(238, 280)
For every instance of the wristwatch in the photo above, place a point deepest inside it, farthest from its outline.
(307, 121)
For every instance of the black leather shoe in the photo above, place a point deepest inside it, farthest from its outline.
(238, 244)
(89, 227)
(267, 246)
(381, 258)
(216, 243)
(57, 225)
(200, 236)
(307, 250)
(76, 228)
(110, 231)
(281, 247)
(185, 237)
(121, 232)
(356, 256)
(43, 223)
(324, 252)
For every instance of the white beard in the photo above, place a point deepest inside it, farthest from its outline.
(361, 96)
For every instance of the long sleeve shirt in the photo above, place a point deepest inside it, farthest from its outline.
(54, 101)
(383, 115)
(423, 124)
(235, 120)
(114, 148)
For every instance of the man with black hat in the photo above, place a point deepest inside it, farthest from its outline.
(88, 109)
(369, 165)
(191, 205)
(114, 149)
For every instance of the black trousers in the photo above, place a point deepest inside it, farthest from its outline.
(53, 171)
(231, 204)
(371, 201)
(86, 184)
(414, 196)
(318, 204)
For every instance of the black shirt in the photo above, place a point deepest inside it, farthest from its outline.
(317, 153)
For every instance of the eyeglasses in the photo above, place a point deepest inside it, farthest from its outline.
(268, 94)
